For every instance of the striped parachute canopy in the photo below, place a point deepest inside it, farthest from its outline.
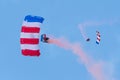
(29, 38)
(98, 37)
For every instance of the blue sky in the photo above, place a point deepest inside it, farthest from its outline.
(62, 18)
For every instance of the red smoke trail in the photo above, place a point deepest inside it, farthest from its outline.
(95, 69)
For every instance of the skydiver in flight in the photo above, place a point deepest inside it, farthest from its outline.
(88, 39)
(44, 38)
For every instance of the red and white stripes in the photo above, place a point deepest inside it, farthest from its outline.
(29, 38)
(98, 37)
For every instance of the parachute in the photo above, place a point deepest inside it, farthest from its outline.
(98, 37)
(29, 37)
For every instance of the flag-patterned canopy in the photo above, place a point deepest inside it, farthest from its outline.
(29, 37)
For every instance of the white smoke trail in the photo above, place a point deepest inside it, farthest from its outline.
(93, 67)
(82, 31)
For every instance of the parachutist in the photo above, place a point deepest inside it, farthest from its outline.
(88, 39)
(44, 38)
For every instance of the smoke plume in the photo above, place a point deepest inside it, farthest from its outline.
(93, 67)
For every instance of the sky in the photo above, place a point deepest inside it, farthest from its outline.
(75, 59)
